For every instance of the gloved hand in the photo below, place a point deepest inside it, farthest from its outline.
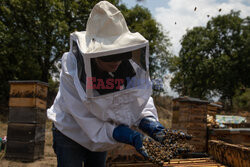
(158, 132)
(126, 135)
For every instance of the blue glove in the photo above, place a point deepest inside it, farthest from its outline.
(126, 135)
(153, 128)
(157, 131)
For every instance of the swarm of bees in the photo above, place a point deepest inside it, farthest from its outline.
(174, 144)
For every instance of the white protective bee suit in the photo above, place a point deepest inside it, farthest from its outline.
(80, 112)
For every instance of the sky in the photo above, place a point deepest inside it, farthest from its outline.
(176, 16)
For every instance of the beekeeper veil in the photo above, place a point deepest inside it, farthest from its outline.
(120, 92)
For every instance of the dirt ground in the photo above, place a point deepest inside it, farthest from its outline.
(49, 159)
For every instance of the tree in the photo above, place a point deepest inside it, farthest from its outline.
(241, 100)
(139, 19)
(35, 33)
(214, 60)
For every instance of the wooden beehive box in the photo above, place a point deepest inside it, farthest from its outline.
(27, 119)
(190, 116)
(233, 155)
(26, 132)
(28, 94)
(25, 151)
(27, 115)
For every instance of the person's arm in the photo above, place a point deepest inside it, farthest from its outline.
(148, 111)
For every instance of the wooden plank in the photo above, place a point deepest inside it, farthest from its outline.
(212, 109)
(198, 111)
(199, 144)
(233, 136)
(199, 106)
(198, 141)
(26, 132)
(24, 151)
(27, 102)
(185, 108)
(201, 162)
(196, 126)
(200, 148)
(199, 118)
(180, 126)
(143, 164)
(22, 102)
(192, 118)
(206, 162)
(196, 165)
(190, 159)
(41, 91)
(184, 117)
(175, 118)
(190, 126)
(26, 115)
(197, 133)
(41, 103)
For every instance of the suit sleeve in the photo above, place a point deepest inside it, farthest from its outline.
(148, 111)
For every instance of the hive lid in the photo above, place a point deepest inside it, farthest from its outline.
(28, 81)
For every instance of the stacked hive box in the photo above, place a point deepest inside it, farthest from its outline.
(190, 115)
(27, 118)
(233, 155)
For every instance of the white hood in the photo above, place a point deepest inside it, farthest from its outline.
(107, 30)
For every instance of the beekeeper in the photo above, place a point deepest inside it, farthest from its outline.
(104, 90)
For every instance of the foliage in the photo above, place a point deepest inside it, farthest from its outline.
(35, 33)
(214, 60)
(241, 100)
